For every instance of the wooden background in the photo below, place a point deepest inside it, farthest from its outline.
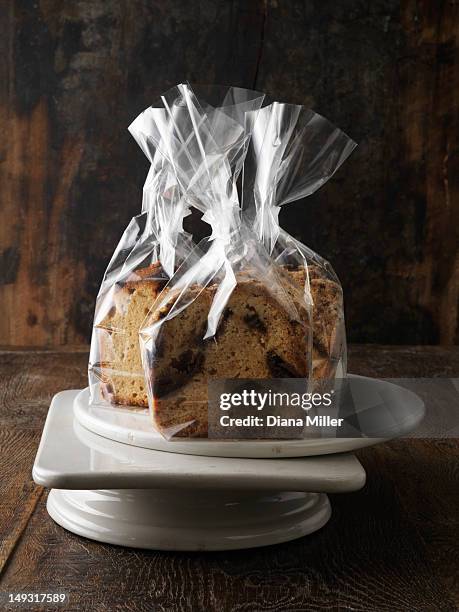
(73, 74)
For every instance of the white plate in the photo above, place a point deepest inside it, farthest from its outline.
(135, 428)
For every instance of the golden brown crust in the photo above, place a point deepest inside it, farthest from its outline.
(153, 275)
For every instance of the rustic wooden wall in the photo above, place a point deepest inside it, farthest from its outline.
(73, 74)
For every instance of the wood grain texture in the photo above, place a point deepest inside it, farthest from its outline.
(391, 546)
(76, 73)
(19, 496)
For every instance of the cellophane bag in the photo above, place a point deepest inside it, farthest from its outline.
(234, 313)
(151, 248)
(292, 153)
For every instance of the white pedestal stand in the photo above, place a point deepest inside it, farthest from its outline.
(187, 519)
(110, 484)
(131, 496)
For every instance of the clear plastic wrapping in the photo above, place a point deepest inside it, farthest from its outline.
(250, 302)
(292, 153)
(152, 246)
(233, 313)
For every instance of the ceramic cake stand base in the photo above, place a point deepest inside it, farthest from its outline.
(188, 520)
(122, 494)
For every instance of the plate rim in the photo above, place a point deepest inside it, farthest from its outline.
(249, 449)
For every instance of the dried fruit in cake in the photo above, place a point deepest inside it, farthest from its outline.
(256, 338)
(121, 368)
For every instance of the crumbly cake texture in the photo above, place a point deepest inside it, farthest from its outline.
(327, 318)
(253, 320)
(122, 375)
(256, 338)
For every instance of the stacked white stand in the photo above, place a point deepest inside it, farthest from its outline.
(115, 480)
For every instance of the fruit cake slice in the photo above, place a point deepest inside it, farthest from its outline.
(122, 375)
(121, 371)
(256, 338)
(327, 318)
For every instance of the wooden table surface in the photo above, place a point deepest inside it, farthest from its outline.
(391, 546)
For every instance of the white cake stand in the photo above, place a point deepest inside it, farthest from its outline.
(127, 491)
